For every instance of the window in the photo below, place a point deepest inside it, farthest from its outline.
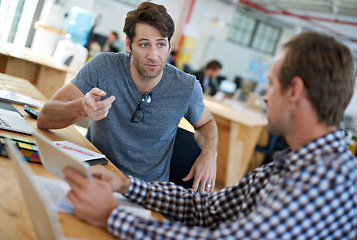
(242, 29)
(7, 14)
(265, 38)
(15, 20)
(254, 33)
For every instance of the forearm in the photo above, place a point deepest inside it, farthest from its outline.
(173, 201)
(125, 225)
(193, 214)
(59, 114)
(207, 138)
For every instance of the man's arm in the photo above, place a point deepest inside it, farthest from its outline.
(204, 169)
(93, 200)
(69, 105)
(193, 215)
(63, 109)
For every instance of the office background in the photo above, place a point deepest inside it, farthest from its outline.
(244, 35)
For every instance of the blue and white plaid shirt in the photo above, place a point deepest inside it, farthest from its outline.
(306, 194)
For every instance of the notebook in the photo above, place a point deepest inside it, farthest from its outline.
(45, 221)
(81, 153)
(13, 121)
(18, 98)
(54, 158)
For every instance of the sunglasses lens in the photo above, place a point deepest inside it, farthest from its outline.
(137, 116)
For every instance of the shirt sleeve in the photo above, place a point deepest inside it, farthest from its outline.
(88, 77)
(195, 105)
(192, 214)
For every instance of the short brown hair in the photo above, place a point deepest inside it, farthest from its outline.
(149, 13)
(115, 34)
(326, 67)
(214, 64)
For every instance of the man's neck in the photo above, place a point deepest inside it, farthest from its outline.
(303, 125)
(304, 134)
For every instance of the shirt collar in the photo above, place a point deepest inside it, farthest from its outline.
(330, 143)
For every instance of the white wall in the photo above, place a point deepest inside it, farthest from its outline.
(204, 12)
(113, 16)
(235, 58)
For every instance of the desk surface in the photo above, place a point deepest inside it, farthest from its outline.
(27, 54)
(235, 111)
(14, 218)
(41, 70)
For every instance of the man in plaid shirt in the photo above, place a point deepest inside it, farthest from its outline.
(309, 191)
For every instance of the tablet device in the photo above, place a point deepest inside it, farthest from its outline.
(45, 221)
(54, 159)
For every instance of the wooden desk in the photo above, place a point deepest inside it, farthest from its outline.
(39, 69)
(239, 130)
(14, 217)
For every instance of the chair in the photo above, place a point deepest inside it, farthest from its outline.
(68, 61)
(275, 143)
(187, 68)
(184, 155)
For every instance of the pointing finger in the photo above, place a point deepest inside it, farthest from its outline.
(105, 103)
(98, 92)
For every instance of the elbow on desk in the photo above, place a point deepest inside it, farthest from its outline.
(41, 122)
(44, 123)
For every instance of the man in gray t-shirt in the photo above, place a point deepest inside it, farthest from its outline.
(135, 102)
(129, 144)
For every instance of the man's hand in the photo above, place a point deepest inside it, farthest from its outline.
(118, 183)
(94, 108)
(93, 201)
(204, 171)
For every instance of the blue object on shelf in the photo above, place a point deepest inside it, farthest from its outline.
(79, 25)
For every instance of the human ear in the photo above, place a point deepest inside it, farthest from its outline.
(128, 45)
(296, 89)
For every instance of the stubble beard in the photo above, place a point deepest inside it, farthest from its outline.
(149, 75)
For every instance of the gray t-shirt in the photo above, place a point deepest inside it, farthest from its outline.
(140, 149)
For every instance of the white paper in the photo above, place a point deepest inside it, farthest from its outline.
(57, 190)
(78, 152)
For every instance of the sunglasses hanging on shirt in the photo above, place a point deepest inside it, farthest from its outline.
(138, 115)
